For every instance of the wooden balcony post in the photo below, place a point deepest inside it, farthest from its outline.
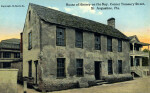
(133, 47)
(140, 62)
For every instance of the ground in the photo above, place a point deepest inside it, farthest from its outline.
(138, 85)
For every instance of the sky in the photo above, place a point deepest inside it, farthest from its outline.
(130, 19)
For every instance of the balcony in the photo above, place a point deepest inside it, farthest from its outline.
(139, 53)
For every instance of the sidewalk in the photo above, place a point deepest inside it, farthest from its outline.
(139, 85)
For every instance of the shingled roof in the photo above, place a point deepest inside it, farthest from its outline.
(61, 18)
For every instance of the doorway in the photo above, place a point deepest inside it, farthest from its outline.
(36, 70)
(97, 70)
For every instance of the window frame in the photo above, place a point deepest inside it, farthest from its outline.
(30, 68)
(110, 67)
(78, 43)
(0, 54)
(29, 15)
(6, 56)
(120, 70)
(119, 45)
(109, 46)
(60, 39)
(97, 42)
(6, 64)
(16, 55)
(30, 40)
(61, 69)
(79, 69)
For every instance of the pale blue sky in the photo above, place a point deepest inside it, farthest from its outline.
(135, 19)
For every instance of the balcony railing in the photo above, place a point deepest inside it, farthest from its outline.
(139, 53)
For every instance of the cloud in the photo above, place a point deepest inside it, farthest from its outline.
(67, 9)
(100, 13)
(87, 9)
(54, 8)
(84, 8)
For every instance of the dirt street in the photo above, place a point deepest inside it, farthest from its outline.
(139, 85)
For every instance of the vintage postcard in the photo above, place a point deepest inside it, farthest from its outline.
(74, 46)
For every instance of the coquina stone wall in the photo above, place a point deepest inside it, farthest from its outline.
(8, 80)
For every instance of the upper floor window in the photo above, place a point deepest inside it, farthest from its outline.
(60, 67)
(6, 55)
(30, 40)
(120, 66)
(16, 55)
(110, 69)
(79, 39)
(97, 42)
(29, 15)
(109, 44)
(79, 67)
(119, 46)
(60, 36)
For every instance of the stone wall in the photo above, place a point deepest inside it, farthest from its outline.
(89, 55)
(8, 80)
(19, 66)
(33, 26)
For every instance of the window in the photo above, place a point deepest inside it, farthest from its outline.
(97, 42)
(131, 60)
(0, 55)
(60, 37)
(60, 67)
(119, 46)
(110, 69)
(120, 66)
(79, 67)
(109, 44)
(6, 64)
(137, 61)
(29, 15)
(16, 55)
(30, 69)
(6, 55)
(131, 46)
(79, 39)
(30, 40)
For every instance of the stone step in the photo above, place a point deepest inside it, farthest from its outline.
(100, 82)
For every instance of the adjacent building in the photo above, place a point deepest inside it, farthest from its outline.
(10, 55)
(63, 51)
(137, 57)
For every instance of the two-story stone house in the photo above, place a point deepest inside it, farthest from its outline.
(61, 51)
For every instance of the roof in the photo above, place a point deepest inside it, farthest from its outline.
(64, 19)
(134, 36)
(13, 40)
(10, 43)
(137, 41)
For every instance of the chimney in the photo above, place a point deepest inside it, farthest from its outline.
(111, 22)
